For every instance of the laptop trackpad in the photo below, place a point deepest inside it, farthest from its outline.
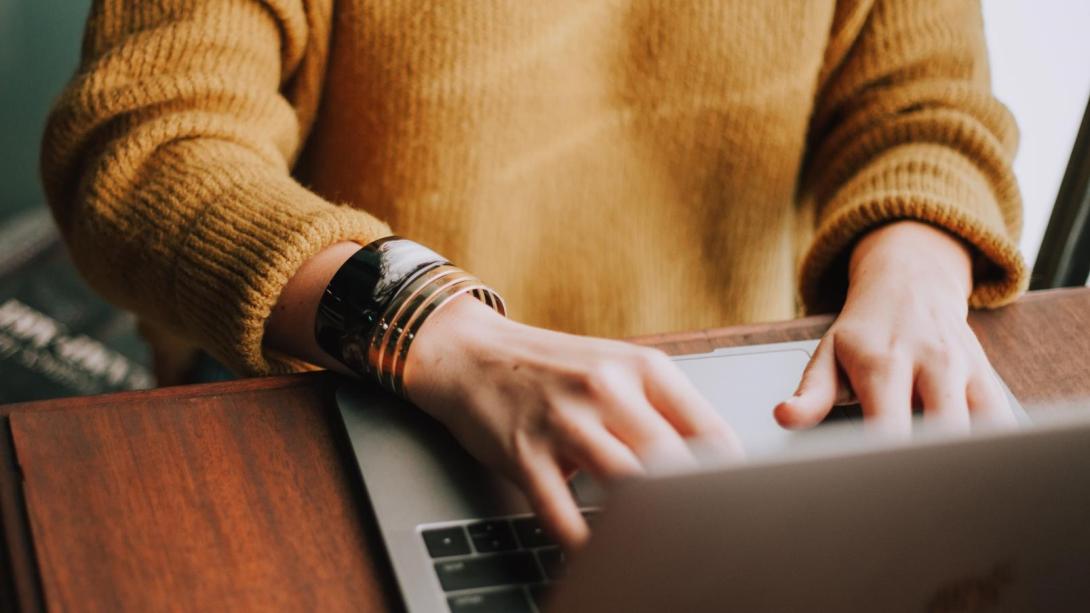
(744, 386)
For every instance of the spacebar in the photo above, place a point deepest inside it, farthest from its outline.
(503, 569)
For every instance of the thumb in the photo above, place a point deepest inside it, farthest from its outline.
(817, 391)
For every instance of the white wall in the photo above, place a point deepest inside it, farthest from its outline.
(1040, 59)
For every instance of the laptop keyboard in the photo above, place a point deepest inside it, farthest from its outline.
(497, 565)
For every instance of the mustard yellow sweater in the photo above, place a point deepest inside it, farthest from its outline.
(610, 167)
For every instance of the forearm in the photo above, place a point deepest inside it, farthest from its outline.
(290, 327)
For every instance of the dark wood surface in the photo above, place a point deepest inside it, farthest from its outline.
(242, 495)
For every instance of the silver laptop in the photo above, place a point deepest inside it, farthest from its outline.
(821, 520)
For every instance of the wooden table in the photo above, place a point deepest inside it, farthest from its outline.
(242, 495)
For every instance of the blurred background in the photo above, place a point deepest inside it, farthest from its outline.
(57, 338)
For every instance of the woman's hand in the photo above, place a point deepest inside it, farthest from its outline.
(902, 339)
(537, 405)
(534, 404)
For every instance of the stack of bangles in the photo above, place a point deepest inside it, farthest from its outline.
(377, 301)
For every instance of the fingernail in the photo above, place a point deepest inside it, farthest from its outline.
(783, 418)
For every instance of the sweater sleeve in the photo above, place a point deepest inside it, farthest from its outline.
(166, 163)
(905, 127)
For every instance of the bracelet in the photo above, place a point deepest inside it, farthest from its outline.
(358, 293)
(390, 325)
(391, 342)
(433, 297)
(376, 303)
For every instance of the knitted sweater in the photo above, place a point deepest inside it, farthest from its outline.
(610, 167)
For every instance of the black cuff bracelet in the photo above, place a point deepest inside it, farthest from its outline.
(360, 292)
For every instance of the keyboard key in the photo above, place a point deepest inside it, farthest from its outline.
(553, 561)
(445, 542)
(492, 536)
(503, 569)
(531, 533)
(540, 595)
(506, 601)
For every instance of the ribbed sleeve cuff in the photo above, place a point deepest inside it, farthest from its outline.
(928, 183)
(256, 230)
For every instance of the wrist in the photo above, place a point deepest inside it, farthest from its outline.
(375, 305)
(914, 254)
(466, 327)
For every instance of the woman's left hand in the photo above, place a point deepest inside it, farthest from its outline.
(902, 340)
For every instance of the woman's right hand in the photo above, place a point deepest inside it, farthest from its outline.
(538, 405)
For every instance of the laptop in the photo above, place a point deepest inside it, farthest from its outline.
(824, 519)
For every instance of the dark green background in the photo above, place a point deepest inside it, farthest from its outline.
(39, 52)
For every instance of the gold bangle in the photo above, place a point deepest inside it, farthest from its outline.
(396, 329)
(388, 354)
(388, 323)
(399, 370)
(441, 297)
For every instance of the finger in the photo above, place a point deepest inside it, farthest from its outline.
(884, 389)
(647, 433)
(817, 391)
(547, 490)
(942, 393)
(845, 395)
(989, 405)
(675, 397)
(595, 449)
